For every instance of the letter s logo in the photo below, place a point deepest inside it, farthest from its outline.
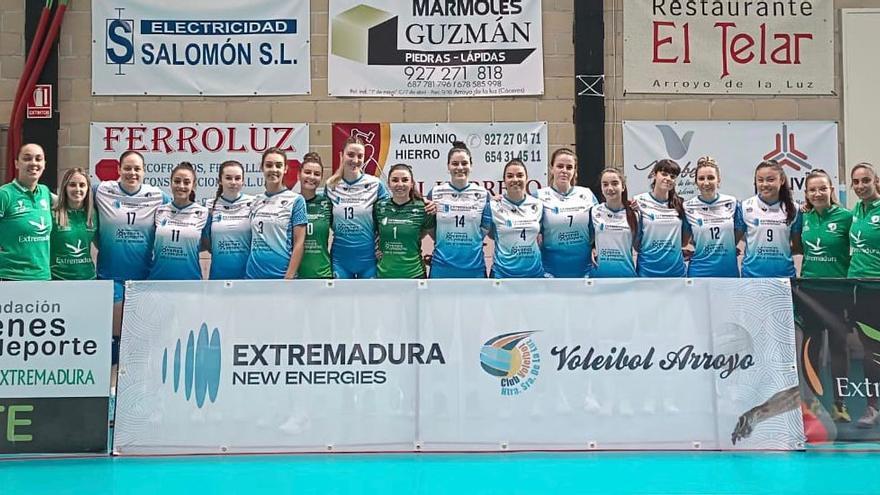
(119, 32)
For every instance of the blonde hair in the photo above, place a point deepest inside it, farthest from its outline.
(61, 209)
(336, 176)
(816, 174)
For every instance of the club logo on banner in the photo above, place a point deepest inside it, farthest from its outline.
(431, 48)
(205, 145)
(739, 147)
(201, 362)
(172, 48)
(728, 47)
(424, 147)
(514, 358)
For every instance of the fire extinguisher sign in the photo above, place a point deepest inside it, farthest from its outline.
(40, 103)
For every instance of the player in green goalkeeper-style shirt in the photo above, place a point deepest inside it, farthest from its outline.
(316, 255)
(401, 222)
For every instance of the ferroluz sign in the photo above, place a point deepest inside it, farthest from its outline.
(205, 145)
(733, 47)
(435, 48)
(168, 47)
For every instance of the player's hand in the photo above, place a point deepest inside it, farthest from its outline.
(743, 427)
(634, 205)
(687, 253)
(430, 207)
(427, 259)
(378, 255)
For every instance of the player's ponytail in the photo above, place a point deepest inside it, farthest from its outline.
(458, 146)
(785, 196)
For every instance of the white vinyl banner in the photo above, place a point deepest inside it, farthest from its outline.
(55, 339)
(424, 147)
(457, 365)
(431, 48)
(205, 145)
(200, 47)
(733, 47)
(800, 147)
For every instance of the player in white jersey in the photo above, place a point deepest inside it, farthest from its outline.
(463, 218)
(773, 225)
(353, 193)
(278, 223)
(565, 227)
(516, 227)
(613, 229)
(715, 223)
(662, 229)
(229, 224)
(180, 227)
(126, 212)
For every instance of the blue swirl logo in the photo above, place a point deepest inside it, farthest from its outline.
(201, 365)
(514, 359)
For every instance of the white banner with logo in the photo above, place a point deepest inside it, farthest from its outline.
(200, 47)
(739, 146)
(259, 366)
(205, 145)
(425, 148)
(425, 49)
(700, 47)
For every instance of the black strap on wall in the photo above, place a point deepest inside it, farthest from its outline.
(589, 112)
(44, 131)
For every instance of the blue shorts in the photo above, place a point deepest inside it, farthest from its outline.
(356, 269)
(439, 271)
(118, 291)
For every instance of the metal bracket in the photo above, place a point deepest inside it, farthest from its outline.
(593, 85)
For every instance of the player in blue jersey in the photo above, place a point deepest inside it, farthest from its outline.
(180, 227)
(773, 225)
(278, 223)
(662, 229)
(463, 217)
(353, 194)
(613, 228)
(715, 223)
(126, 213)
(229, 224)
(565, 227)
(516, 227)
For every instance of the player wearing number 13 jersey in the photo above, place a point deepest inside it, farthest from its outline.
(516, 225)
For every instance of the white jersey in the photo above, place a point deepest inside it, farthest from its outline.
(354, 233)
(515, 228)
(273, 217)
(768, 239)
(179, 234)
(229, 228)
(463, 216)
(713, 226)
(613, 239)
(565, 230)
(659, 238)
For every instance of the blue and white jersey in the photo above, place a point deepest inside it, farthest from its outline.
(659, 239)
(273, 217)
(768, 239)
(127, 229)
(179, 234)
(614, 243)
(515, 228)
(463, 217)
(354, 233)
(565, 229)
(714, 226)
(229, 229)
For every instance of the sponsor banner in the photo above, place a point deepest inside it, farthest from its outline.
(205, 145)
(738, 146)
(425, 147)
(457, 365)
(55, 340)
(149, 47)
(700, 47)
(839, 351)
(435, 48)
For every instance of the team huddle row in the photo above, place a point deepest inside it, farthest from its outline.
(563, 231)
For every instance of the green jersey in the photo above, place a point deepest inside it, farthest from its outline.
(316, 256)
(25, 226)
(400, 229)
(826, 243)
(71, 247)
(864, 240)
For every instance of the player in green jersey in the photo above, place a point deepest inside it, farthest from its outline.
(26, 219)
(74, 225)
(316, 257)
(401, 222)
(825, 238)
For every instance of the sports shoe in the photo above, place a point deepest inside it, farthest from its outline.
(869, 419)
(839, 413)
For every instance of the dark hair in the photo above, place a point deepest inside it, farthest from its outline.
(631, 219)
(556, 154)
(223, 166)
(512, 163)
(126, 154)
(865, 165)
(270, 151)
(816, 174)
(413, 192)
(313, 157)
(186, 166)
(673, 200)
(456, 147)
(784, 190)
